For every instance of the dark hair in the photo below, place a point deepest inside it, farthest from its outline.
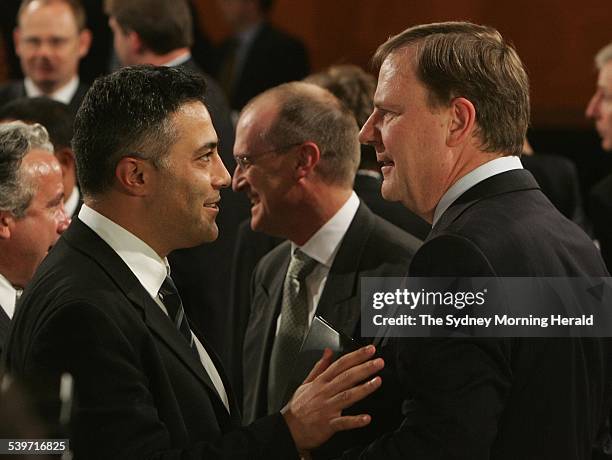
(461, 59)
(128, 113)
(163, 25)
(75, 5)
(53, 115)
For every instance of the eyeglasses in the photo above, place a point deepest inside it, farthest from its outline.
(245, 161)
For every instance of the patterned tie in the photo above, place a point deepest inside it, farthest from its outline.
(172, 301)
(292, 330)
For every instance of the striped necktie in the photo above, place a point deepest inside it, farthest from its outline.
(172, 301)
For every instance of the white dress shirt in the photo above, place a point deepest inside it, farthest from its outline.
(323, 247)
(64, 94)
(178, 60)
(70, 205)
(150, 269)
(8, 296)
(489, 169)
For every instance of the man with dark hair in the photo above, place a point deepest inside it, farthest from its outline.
(31, 210)
(50, 40)
(451, 113)
(159, 32)
(258, 56)
(57, 119)
(103, 306)
(297, 151)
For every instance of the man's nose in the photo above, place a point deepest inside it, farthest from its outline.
(592, 109)
(63, 220)
(238, 179)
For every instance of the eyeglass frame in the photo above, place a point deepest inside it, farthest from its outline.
(244, 161)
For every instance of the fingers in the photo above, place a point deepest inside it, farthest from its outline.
(347, 398)
(353, 376)
(347, 361)
(320, 365)
(349, 422)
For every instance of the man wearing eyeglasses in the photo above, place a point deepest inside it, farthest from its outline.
(297, 153)
(50, 40)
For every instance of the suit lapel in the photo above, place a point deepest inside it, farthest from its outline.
(341, 290)
(259, 337)
(234, 411)
(85, 240)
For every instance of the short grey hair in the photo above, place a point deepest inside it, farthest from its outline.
(603, 56)
(16, 140)
(308, 112)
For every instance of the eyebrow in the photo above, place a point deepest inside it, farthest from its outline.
(55, 200)
(207, 147)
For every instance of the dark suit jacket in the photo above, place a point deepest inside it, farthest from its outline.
(5, 322)
(16, 89)
(273, 58)
(252, 246)
(558, 178)
(371, 247)
(600, 207)
(500, 399)
(140, 392)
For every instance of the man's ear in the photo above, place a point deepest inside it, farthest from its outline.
(134, 176)
(85, 38)
(308, 157)
(16, 39)
(462, 122)
(6, 224)
(135, 42)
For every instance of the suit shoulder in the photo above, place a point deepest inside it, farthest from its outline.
(450, 255)
(391, 238)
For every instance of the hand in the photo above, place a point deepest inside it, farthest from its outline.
(314, 413)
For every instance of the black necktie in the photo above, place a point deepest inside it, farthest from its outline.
(172, 301)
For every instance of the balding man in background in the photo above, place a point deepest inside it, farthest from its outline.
(297, 151)
(50, 40)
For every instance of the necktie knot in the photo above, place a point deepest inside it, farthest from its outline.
(301, 265)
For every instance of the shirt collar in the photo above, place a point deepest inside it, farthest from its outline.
(8, 295)
(143, 261)
(64, 94)
(323, 245)
(489, 169)
(72, 202)
(178, 60)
